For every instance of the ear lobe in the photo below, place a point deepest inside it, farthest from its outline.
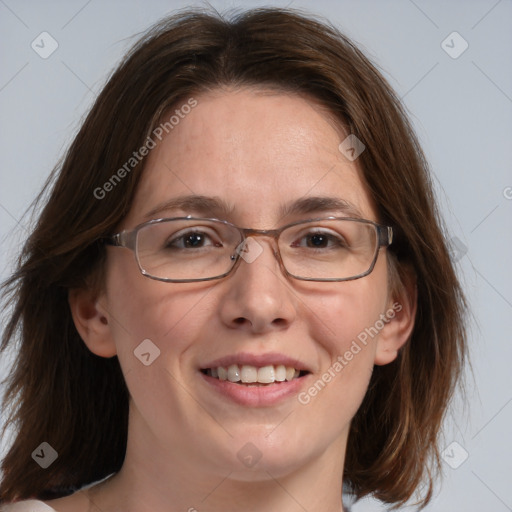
(398, 329)
(92, 322)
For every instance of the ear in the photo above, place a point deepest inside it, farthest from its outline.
(401, 314)
(92, 322)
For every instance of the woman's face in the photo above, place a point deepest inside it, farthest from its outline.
(257, 153)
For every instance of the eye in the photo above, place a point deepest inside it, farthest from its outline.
(317, 240)
(191, 239)
(321, 239)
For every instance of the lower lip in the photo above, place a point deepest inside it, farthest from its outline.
(256, 396)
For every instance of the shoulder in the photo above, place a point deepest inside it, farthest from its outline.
(26, 506)
(76, 502)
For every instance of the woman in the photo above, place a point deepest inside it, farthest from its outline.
(238, 295)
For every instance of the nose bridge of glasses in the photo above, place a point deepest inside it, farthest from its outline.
(271, 234)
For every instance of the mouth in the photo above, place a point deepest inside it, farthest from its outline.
(255, 380)
(255, 376)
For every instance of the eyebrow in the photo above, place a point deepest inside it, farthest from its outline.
(208, 206)
(201, 205)
(320, 204)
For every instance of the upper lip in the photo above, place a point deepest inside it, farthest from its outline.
(259, 360)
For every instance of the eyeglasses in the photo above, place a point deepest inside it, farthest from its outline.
(187, 249)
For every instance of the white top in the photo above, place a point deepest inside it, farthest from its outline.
(39, 506)
(27, 506)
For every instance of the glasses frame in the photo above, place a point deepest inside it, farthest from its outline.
(128, 239)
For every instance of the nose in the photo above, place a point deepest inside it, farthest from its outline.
(258, 296)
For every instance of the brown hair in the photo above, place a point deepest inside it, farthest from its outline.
(59, 392)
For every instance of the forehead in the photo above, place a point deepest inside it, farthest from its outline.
(256, 150)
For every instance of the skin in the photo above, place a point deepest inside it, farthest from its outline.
(257, 150)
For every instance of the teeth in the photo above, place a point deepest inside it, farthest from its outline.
(233, 373)
(280, 373)
(266, 375)
(249, 374)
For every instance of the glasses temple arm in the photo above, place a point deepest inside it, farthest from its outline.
(385, 236)
(122, 239)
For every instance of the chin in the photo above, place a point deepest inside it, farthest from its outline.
(279, 465)
(260, 454)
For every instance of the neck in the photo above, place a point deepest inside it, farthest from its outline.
(156, 480)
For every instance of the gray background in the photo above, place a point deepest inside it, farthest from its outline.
(461, 108)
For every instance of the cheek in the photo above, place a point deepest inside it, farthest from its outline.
(346, 311)
(345, 326)
(155, 324)
(168, 314)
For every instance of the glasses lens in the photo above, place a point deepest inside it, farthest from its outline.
(186, 249)
(329, 248)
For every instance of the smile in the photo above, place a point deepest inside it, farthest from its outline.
(255, 380)
(253, 375)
